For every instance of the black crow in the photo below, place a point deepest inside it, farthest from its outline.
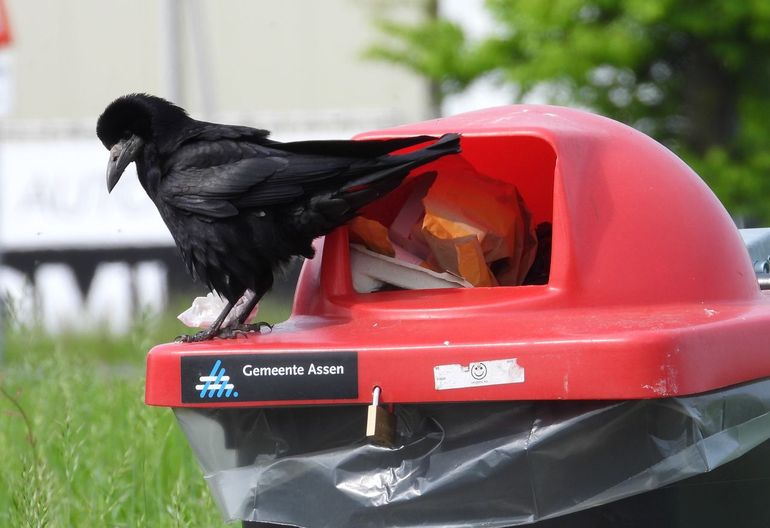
(240, 205)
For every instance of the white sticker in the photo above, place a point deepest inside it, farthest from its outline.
(479, 373)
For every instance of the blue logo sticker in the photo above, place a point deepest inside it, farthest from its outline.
(216, 384)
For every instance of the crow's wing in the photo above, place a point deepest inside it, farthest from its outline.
(218, 179)
(203, 131)
(223, 170)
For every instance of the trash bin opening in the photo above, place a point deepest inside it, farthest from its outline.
(480, 219)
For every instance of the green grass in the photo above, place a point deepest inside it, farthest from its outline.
(78, 447)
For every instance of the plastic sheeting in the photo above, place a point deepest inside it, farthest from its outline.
(455, 465)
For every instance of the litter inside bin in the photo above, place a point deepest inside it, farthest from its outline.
(373, 271)
(489, 463)
(469, 229)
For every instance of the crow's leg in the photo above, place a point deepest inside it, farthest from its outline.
(243, 317)
(240, 326)
(241, 309)
(211, 332)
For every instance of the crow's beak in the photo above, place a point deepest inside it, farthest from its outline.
(121, 154)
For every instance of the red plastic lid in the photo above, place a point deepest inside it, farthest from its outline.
(651, 291)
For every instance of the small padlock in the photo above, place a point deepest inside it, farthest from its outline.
(380, 424)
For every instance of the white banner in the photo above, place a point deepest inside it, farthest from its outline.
(53, 194)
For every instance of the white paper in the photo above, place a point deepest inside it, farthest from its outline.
(203, 311)
(370, 271)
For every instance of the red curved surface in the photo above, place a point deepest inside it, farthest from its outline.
(651, 290)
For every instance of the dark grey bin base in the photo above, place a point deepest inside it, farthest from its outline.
(734, 495)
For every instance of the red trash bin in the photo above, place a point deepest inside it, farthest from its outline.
(649, 332)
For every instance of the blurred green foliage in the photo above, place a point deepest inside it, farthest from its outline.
(694, 74)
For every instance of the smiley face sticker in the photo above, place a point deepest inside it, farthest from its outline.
(478, 371)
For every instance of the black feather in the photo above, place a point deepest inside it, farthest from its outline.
(239, 204)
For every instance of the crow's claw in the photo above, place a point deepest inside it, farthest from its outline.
(231, 332)
(203, 335)
(242, 329)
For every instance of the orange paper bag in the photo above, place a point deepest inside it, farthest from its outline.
(474, 224)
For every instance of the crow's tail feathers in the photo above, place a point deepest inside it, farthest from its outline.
(326, 211)
(360, 191)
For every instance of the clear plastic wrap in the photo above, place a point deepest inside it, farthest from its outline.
(490, 464)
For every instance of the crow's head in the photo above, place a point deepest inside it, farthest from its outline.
(130, 122)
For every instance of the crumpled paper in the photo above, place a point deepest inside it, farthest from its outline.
(374, 271)
(372, 234)
(460, 222)
(474, 224)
